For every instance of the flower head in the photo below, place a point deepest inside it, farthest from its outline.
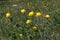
(28, 21)
(23, 10)
(21, 35)
(38, 14)
(47, 16)
(34, 28)
(8, 14)
(31, 13)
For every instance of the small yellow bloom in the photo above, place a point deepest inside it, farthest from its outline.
(21, 35)
(8, 14)
(23, 10)
(38, 14)
(34, 28)
(28, 21)
(31, 13)
(47, 16)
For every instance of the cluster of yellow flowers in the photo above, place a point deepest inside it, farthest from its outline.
(33, 28)
(31, 13)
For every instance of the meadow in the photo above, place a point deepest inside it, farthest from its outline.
(29, 19)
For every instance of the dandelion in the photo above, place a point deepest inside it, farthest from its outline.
(8, 14)
(47, 16)
(31, 13)
(34, 28)
(23, 10)
(28, 21)
(38, 14)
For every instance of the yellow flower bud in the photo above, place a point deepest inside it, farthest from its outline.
(8, 14)
(28, 21)
(34, 28)
(47, 16)
(31, 13)
(23, 10)
(21, 35)
(38, 14)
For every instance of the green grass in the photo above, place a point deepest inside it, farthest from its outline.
(48, 29)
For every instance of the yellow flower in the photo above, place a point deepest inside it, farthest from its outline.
(34, 28)
(38, 14)
(23, 10)
(47, 16)
(21, 35)
(28, 21)
(8, 14)
(31, 13)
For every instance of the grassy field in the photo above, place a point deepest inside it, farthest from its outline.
(46, 29)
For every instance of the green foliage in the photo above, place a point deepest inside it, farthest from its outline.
(48, 29)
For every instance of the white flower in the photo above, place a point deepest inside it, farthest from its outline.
(14, 5)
